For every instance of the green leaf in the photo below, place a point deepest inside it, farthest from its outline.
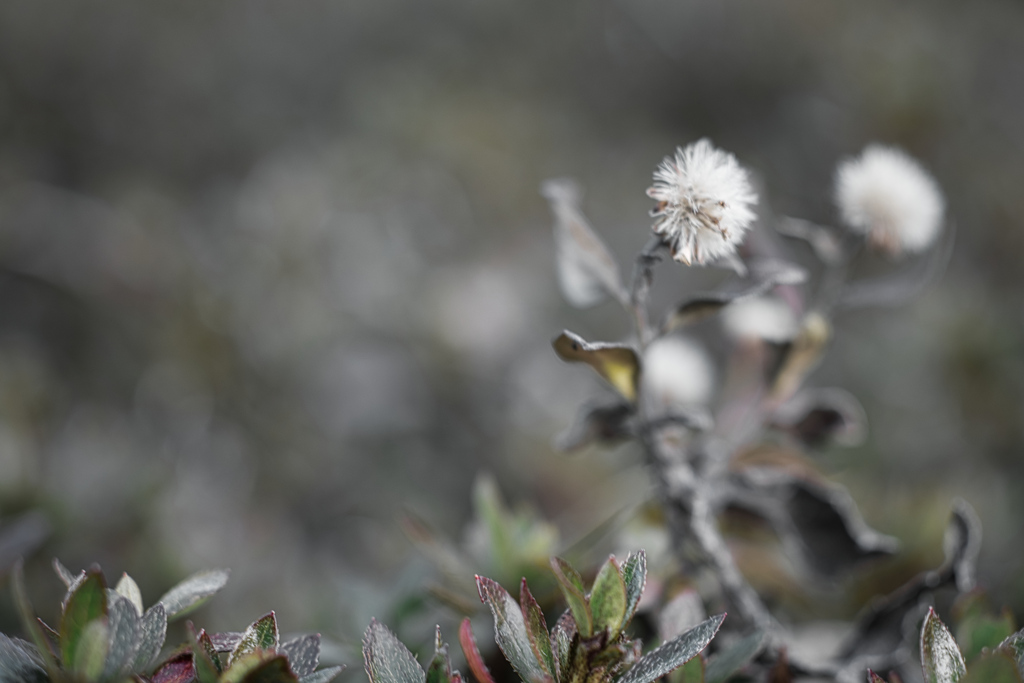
(674, 653)
(563, 636)
(91, 650)
(634, 573)
(323, 675)
(86, 604)
(536, 628)
(152, 632)
(940, 657)
(125, 638)
(980, 631)
(510, 631)
(260, 666)
(994, 668)
(608, 599)
(440, 668)
(260, 635)
(691, 672)
(386, 659)
(192, 592)
(1014, 647)
(571, 583)
(734, 658)
(129, 589)
(303, 653)
(29, 621)
(490, 509)
(18, 662)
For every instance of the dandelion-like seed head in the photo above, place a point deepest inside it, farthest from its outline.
(677, 372)
(887, 196)
(704, 202)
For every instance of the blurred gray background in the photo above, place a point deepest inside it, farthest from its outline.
(272, 272)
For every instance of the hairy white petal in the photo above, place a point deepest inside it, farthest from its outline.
(704, 202)
(764, 317)
(890, 198)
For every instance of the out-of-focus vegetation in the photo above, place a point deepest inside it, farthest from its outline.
(271, 272)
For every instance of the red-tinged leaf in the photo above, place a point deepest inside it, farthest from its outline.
(87, 603)
(571, 583)
(178, 669)
(563, 639)
(608, 599)
(261, 635)
(260, 666)
(940, 656)
(536, 628)
(510, 631)
(472, 653)
(204, 656)
(874, 678)
(634, 573)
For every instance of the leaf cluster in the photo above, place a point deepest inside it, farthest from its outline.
(104, 635)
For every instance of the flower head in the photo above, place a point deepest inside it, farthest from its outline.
(677, 372)
(763, 317)
(887, 196)
(704, 202)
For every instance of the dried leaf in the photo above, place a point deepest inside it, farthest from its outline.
(510, 631)
(941, 660)
(674, 653)
(824, 242)
(608, 599)
(962, 544)
(763, 275)
(192, 592)
(597, 424)
(820, 416)
(587, 273)
(801, 357)
(387, 660)
(618, 364)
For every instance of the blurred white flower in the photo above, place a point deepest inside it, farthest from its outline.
(676, 373)
(889, 197)
(763, 317)
(704, 202)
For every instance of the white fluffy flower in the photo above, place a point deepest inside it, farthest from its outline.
(677, 372)
(704, 202)
(887, 196)
(763, 317)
